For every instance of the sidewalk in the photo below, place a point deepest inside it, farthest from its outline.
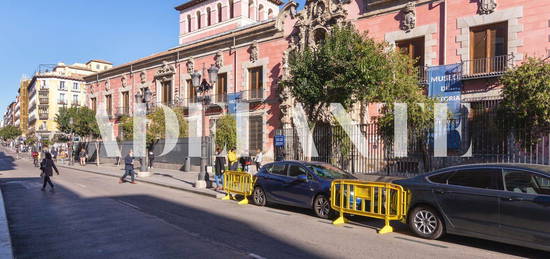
(163, 177)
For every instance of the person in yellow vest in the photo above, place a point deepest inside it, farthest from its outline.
(232, 159)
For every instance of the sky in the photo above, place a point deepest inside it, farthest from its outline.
(47, 32)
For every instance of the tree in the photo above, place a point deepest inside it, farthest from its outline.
(10, 132)
(84, 123)
(226, 132)
(157, 126)
(526, 100)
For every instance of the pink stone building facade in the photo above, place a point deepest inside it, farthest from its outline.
(249, 41)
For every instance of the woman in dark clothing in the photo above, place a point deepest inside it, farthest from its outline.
(219, 165)
(47, 166)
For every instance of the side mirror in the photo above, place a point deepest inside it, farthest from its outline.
(301, 178)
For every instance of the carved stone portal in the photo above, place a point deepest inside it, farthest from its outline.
(254, 52)
(166, 72)
(218, 58)
(409, 17)
(487, 6)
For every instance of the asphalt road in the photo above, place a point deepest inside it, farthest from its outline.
(92, 216)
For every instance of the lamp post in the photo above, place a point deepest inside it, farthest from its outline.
(202, 87)
(70, 147)
(144, 98)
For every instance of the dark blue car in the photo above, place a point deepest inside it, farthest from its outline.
(297, 183)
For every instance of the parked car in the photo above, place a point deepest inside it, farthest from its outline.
(507, 203)
(297, 183)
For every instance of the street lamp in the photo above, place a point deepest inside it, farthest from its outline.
(145, 98)
(202, 87)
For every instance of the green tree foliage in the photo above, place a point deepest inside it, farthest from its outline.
(526, 99)
(10, 132)
(83, 118)
(157, 126)
(226, 132)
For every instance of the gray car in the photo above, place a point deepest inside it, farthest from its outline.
(507, 203)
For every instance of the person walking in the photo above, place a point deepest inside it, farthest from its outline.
(128, 168)
(258, 159)
(47, 166)
(232, 159)
(83, 155)
(151, 158)
(219, 165)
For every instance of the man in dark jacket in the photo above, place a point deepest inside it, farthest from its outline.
(47, 165)
(128, 167)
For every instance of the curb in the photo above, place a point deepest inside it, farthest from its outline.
(5, 238)
(196, 191)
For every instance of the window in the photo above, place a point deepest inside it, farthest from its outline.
(75, 99)
(75, 86)
(94, 104)
(191, 93)
(109, 103)
(231, 9)
(62, 98)
(125, 102)
(188, 23)
(269, 13)
(255, 132)
(260, 12)
(413, 48)
(97, 66)
(44, 84)
(255, 82)
(62, 85)
(526, 182)
(221, 88)
(166, 92)
(208, 16)
(440, 178)
(278, 168)
(295, 170)
(488, 48)
(198, 20)
(220, 14)
(251, 9)
(476, 178)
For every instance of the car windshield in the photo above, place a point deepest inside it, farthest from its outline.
(327, 171)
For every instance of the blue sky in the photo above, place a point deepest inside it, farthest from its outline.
(69, 31)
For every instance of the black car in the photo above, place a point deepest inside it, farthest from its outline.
(507, 203)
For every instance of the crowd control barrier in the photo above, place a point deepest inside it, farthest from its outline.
(237, 182)
(370, 199)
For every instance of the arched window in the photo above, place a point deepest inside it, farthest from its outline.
(208, 16)
(198, 20)
(269, 13)
(260, 12)
(219, 9)
(231, 9)
(188, 23)
(250, 9)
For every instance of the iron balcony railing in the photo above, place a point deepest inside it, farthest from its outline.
(44, 100)
(486, 67)
(253, 95)
(43, 115)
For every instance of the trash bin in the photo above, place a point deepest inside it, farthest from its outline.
(187, 164)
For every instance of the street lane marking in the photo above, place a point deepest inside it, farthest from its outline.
(278, 212)
(255, 256)
(129, 204)
(421, 242)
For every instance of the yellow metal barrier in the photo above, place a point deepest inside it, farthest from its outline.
(370, 199)
(236, 182)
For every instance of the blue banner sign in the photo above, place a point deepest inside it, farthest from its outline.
(445, 84)
(232, 99)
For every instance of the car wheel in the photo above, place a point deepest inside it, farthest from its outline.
(426, 222)
(321, 207)
(259, 196)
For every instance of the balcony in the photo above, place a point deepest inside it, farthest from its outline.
(253, 95)
(43, 115)
(486, 67)
(61, 102)
(44, 100)
(75, 103)
(122, 111)
(44, 93)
